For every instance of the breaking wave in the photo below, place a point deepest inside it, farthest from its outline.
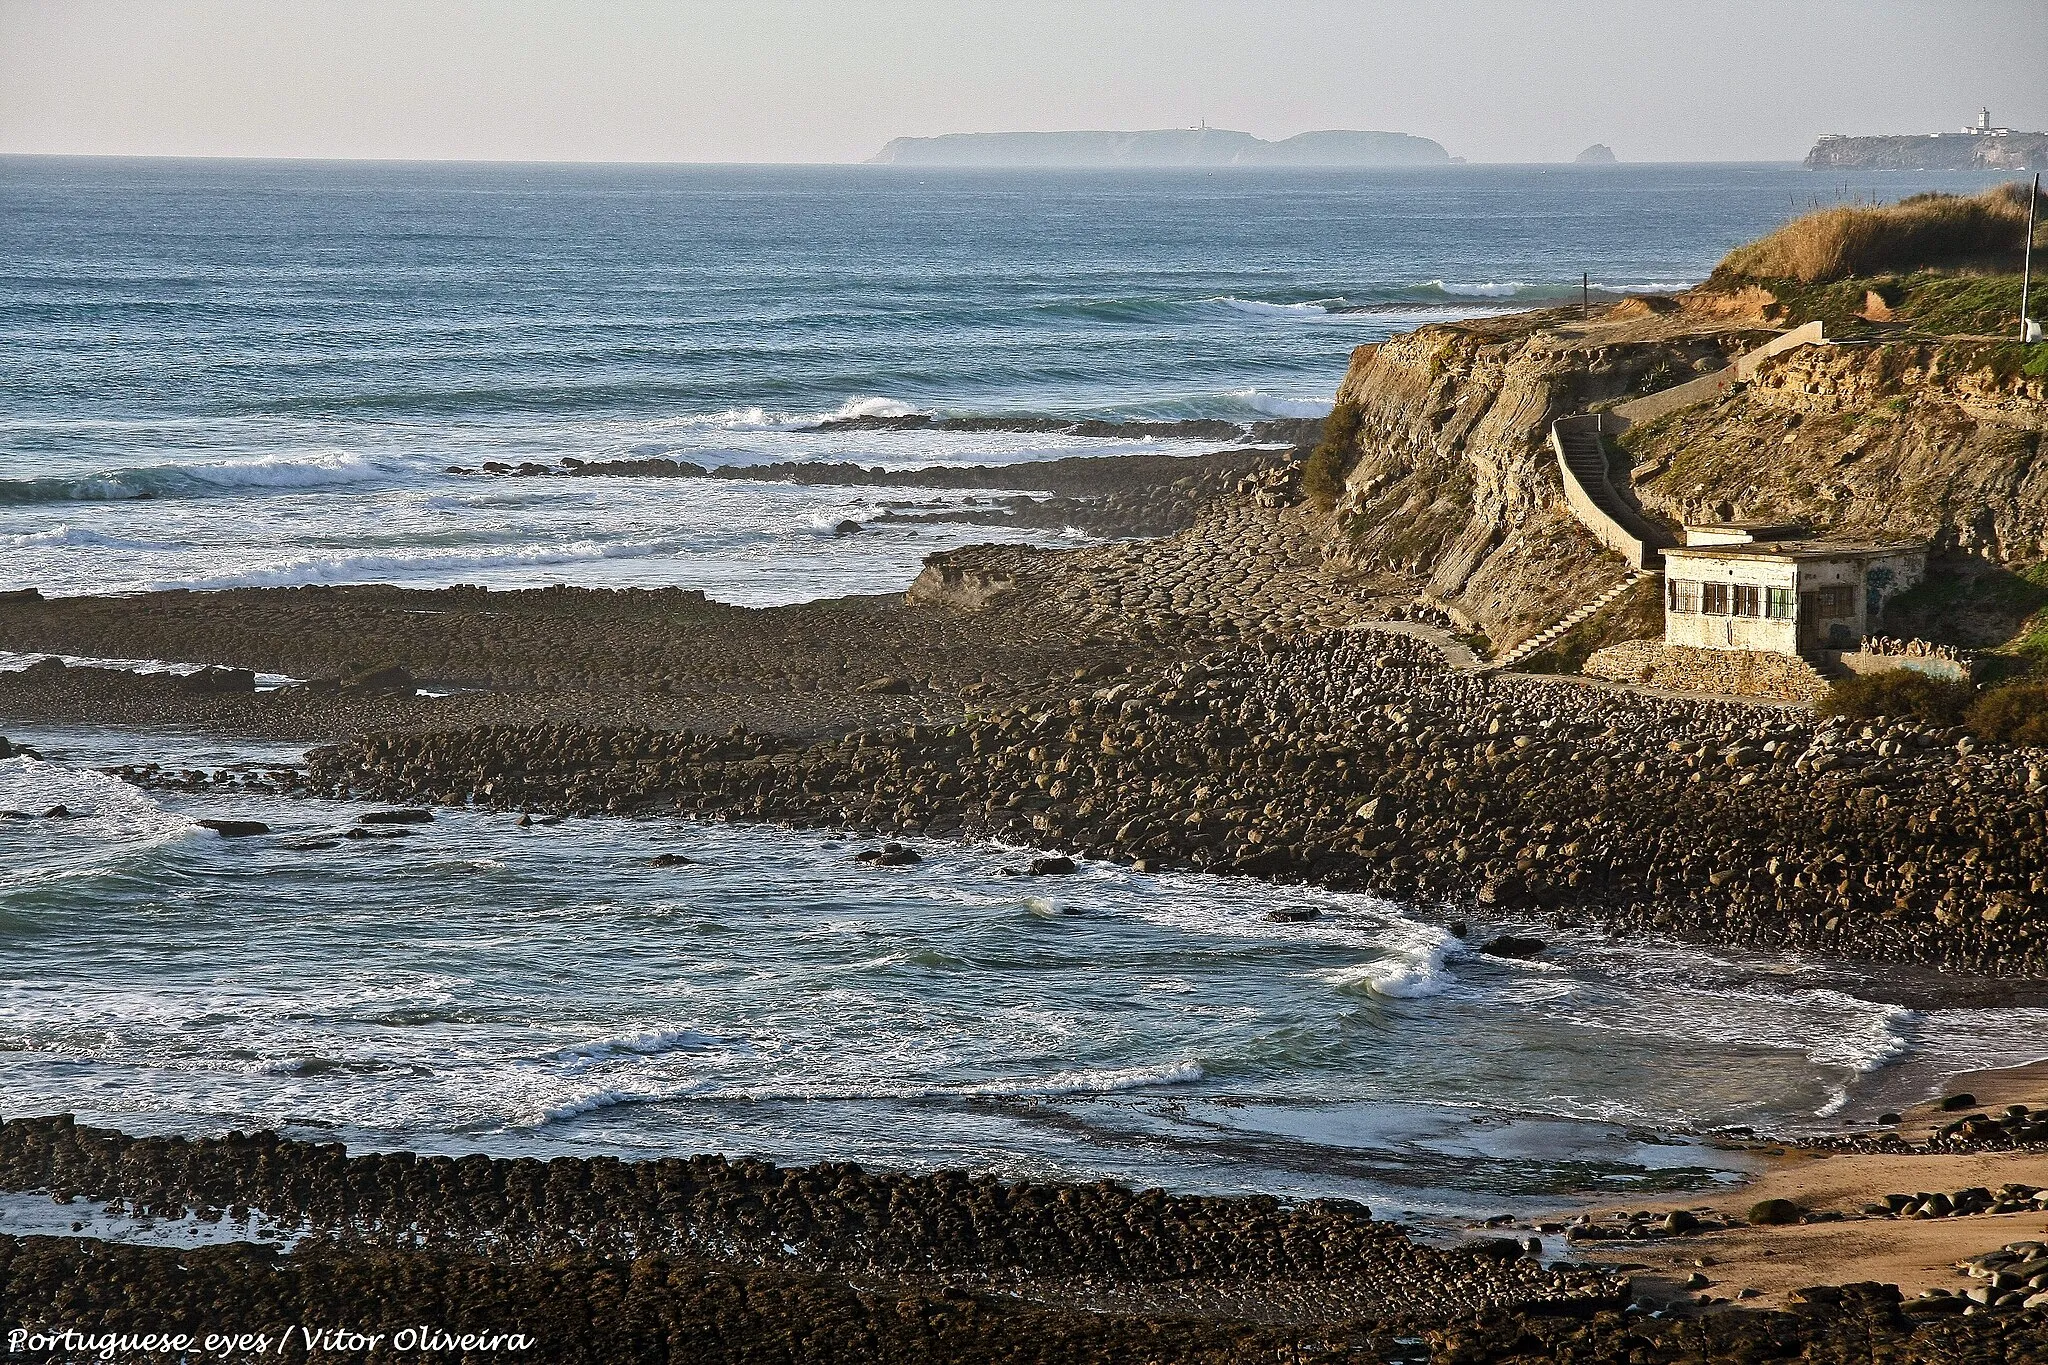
(1263, 309)
(647, 1043)
(1485, 289)
(372, 567)
(277, 471)
(105, 810)
(80, 537)
(1102, 1081)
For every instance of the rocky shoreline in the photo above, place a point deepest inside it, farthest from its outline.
(835, 1217)
(702, 1258)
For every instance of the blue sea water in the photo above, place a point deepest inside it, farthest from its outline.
(217, 373)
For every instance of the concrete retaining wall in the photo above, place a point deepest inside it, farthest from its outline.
(1746, 364)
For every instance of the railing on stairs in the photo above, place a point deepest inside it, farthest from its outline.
(1583, 468)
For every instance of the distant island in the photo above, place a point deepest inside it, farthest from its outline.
(1599, 154)
(1980, 147)
(1162, 147)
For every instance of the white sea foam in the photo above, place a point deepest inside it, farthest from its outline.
(604, 1097)
(873, 407)
(1262, 308)
(81, 537)
(281, 471)
(1084, 1081)
(1059, 1085)
(757, 418)
(1484, 289)
(107, 810)
(1415, 969)
(645, 1043)
(1869, 1038)
(1275, 405)
(371, 567)
(1105, 1081)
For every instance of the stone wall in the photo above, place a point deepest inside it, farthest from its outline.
(1725, 672)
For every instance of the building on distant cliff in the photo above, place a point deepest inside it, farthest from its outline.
(1751, 588)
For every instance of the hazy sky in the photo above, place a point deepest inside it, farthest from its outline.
(832, 80)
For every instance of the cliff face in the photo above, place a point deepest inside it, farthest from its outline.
(1454, 486)
(1949, 152)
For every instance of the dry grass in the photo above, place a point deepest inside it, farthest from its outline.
(1925, 232)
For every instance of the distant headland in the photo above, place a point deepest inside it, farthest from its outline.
(1162, 147)
(1979, 147)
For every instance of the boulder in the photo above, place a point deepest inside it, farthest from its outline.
(235, 829)
(1775, 1212)
(396, 817)
(211, 681)
(381, 678)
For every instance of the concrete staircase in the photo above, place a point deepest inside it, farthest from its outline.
(1550, 635)
(1582, 468)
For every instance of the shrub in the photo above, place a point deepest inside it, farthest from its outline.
(1901, 694)
(1322, 474)
(1921, 232)
(2016, 713)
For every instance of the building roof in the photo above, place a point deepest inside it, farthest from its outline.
(1799, 549)
(1744, 532)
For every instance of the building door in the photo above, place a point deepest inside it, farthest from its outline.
(1809, 622)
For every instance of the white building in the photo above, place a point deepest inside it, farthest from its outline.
(1731, 587)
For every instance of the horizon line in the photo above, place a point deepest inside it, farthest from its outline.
(1455, 163)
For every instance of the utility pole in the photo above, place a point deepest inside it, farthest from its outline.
(1586, 287)
(2027, 266)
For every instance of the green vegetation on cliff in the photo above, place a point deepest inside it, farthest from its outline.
(1322, 474)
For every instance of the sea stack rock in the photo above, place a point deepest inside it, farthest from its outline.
(1599, 154)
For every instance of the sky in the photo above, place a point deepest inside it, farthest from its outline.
(833, 80)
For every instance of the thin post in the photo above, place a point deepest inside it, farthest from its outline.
(2027, 266)
(1586, 292)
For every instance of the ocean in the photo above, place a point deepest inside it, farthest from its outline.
(545, 990)
(216, 373)
(227, 373)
